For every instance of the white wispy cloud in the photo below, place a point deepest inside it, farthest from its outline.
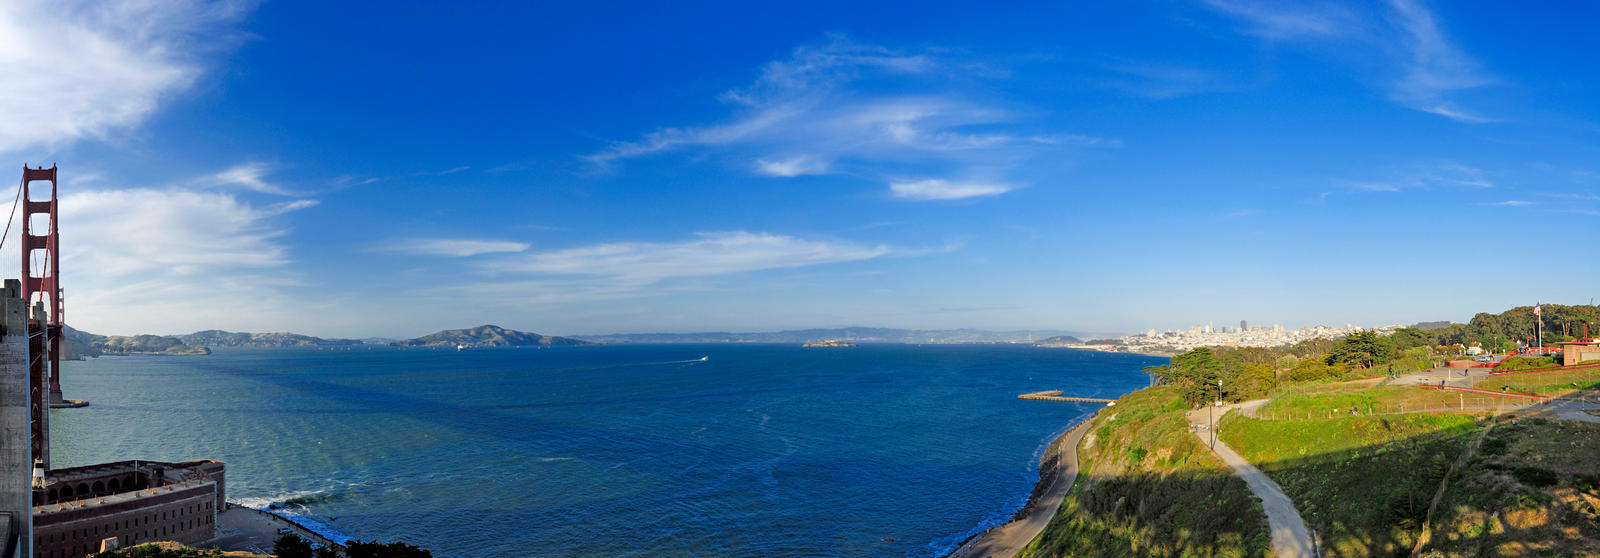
(937, 189)
(453, 170)
(250, 176)
(457, 247)
(1435, 68)
(148, 259)
(1289, 21)
(791, 166)
(1405, 32)
(1508, 203)
(1427, 176)
(808, 114)
(707, 254)
(74, 69)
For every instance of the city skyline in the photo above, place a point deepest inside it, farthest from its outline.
(576, 170)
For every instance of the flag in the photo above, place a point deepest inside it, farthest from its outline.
(1536, 309)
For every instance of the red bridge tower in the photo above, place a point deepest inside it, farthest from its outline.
(41, 289)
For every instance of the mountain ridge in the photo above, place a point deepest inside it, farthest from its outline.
(487, 336)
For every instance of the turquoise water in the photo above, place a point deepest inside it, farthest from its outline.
(762, 450)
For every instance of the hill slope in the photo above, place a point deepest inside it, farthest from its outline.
(220, 338)
(487, 336)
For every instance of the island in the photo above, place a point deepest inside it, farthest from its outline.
(487, 336)
(829, 343)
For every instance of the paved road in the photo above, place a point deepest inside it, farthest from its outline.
(1290, 537)
(1456, 377)
(1573, 408)
(1006, 540)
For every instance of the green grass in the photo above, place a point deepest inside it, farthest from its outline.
(1147, 487)
(1363, 483)
(1546, 383)
(1340, 400)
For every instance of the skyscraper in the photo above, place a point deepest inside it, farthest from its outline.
(1244, 325)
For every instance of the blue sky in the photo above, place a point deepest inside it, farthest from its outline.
(570, 169)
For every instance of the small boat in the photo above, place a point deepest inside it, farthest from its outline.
(463, 347)
(704, 358)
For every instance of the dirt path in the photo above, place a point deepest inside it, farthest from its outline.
(1290, 538)
(1006, 540)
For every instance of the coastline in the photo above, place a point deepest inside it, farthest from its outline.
(1009, 537)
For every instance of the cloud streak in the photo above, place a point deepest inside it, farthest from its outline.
(458, 247)
(74, 70)
(146, 259)
(707, 254)
(1403, 31)
(936, 189)
(846, 108)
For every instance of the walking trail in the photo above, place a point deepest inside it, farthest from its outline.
(1006, 540)
(1290, 538)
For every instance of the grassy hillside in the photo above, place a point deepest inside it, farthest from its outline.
(1147, 487)
(1362, 483)
(1528, 485)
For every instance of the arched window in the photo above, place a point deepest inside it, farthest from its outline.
(114, 486)
(82, 491)
(98, 489)
(66, 493)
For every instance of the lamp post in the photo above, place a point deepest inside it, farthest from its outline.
(1213, 414)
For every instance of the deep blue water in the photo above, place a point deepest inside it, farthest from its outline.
(762, 450)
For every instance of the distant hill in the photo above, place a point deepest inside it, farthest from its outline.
(1060, 340)
(487, 336)
(1425, 326)
(80, 344)
(854, 334)
(219, 338)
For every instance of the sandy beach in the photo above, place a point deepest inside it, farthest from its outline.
(1005, 540)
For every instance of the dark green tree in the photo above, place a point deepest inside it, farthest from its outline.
(1195, 373)
(290, 545)
(1360, 349)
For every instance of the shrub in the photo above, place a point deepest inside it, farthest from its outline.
(1535, 476)
(290, 545)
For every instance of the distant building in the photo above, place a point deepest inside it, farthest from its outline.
(1582, 350)
(1244, 325)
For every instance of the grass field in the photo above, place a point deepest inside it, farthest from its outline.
(1363, 483)
(1554, 384)
(1349, 399)
(1147, 487)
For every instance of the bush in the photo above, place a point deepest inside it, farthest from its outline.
(290, 545)
(1535, 476)
(156, 551)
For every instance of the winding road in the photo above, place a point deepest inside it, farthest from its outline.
(1290, 537)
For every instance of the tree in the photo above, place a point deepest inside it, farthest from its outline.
(1195, 373)
(290, 545)
(1362, 348)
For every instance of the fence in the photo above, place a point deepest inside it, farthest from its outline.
(1464, 402)
(1543, 369)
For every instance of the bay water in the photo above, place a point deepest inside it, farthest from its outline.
(626, 450)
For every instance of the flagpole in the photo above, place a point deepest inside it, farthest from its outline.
(1538, 325)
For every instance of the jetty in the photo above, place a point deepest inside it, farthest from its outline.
(1055, 395)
